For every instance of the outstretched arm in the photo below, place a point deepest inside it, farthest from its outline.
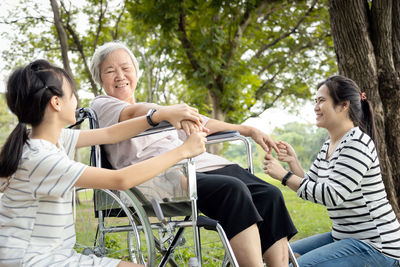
(258, 136)
(136, 174)
(129, 128)
(136, 110)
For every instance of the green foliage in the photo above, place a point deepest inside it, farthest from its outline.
(235, 55)
(234, 58)
(7, 120)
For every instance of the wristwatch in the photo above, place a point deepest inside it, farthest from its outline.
(149, 115)
(286, 177)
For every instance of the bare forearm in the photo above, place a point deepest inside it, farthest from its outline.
(294, 182)
(218, 126)
(130, 176)
(136, 110)
(113, 134)
(145, 170)
(126, 129)
(296, 168)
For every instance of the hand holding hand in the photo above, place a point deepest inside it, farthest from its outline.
(190, 127)
(194, 144)
(264, 140)
(286, 152)
(273, 168)
(175, 114)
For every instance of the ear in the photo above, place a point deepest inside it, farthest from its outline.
(345, 106)
(55, 103)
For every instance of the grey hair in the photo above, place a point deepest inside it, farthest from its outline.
(102, 52)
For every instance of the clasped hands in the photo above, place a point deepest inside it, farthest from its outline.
(285, 153)
(182, 116)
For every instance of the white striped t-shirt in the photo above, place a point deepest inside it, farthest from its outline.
(36, 222)
(350, 185)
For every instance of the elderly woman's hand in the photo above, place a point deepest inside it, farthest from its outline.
(175, 114)
(273, 168)
(190, 127)
(263, 140)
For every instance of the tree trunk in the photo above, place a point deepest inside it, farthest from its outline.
(62, 37)
(217, 114)
(363, 45)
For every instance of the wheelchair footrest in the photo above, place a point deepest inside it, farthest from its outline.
(207, 223)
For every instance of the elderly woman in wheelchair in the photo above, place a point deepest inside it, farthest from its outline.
(252, 212)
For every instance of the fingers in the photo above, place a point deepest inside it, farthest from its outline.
(204, 129)
(186, 128)
(190, 127)
(265, 147)
(274, 146)
(268, 156)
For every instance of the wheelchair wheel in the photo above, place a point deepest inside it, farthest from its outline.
(118, 230)
(212, 250)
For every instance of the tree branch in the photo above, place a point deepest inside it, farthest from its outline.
(79, 46)
(273, 10)
(115, 33)
(310, 44)
(187, 46)
(283, 36)
(100, 24)
(41, 18)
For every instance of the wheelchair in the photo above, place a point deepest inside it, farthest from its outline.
(147, 224)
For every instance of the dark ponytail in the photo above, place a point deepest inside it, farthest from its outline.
(12, 150)
(344, 89)
(29, 90)
(368, 122)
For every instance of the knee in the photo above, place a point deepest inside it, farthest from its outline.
(274, 193)
(236, 187)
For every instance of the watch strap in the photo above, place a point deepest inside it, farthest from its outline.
(286, 177)
(149, 115)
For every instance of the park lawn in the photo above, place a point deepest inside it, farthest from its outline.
(309, 218)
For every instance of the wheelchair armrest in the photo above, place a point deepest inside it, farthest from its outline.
(221, 136)
(161, 127)
(212, 138)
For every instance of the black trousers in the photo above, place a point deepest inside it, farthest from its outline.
(238, 199)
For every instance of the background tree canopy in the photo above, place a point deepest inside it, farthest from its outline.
(231, 59)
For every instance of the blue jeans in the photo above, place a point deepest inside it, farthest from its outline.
(321, 251)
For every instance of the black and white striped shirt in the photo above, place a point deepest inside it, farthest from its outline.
(349, 184)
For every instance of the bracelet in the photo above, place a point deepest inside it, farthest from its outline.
(148, 117)
(286, 177)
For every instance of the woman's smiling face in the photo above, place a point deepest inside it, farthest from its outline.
(325, 110)
(118, 75)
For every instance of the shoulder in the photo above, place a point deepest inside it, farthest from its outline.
(101, 100)
(68, 139)
(360, 144)
(108, 109)
(38, 153)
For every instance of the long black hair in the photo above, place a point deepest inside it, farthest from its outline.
(344, 89)
(29, 90)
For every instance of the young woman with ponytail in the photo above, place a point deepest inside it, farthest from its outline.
(37, 171)
(346, 178)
